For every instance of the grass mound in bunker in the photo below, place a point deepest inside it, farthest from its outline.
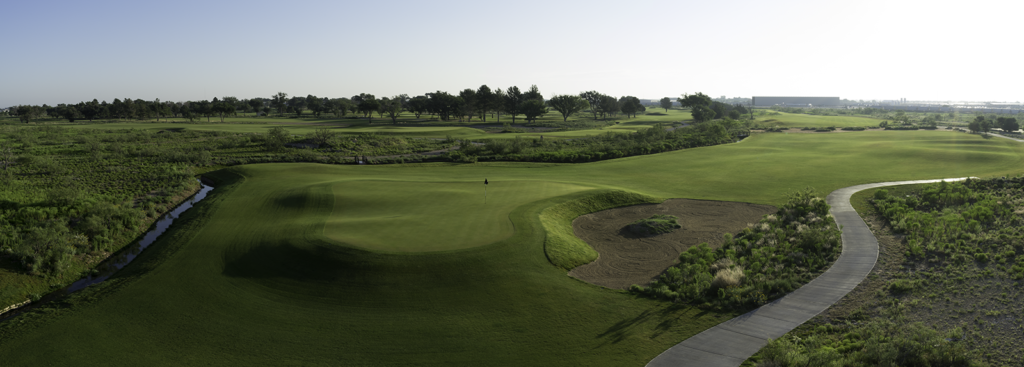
(655, 225)
(626, 258)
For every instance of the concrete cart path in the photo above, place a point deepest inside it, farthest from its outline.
(732, 342)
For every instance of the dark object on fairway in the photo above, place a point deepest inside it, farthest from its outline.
(654, 226)
(485, 181)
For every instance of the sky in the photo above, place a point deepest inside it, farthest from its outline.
(71, 51)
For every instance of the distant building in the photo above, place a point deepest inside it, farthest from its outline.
(796, 101)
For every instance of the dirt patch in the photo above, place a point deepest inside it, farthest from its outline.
(626, 259)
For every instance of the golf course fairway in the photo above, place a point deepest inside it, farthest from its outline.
(310, 264)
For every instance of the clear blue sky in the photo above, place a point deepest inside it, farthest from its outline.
(70, 51)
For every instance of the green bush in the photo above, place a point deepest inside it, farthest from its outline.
(655, 225)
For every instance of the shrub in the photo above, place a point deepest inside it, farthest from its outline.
(731, 277)
(655, 225)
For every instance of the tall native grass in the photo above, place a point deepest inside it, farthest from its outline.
(762, 262)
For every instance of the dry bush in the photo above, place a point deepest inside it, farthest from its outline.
(729, 277)
(723, 263)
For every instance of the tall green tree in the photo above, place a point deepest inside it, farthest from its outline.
(419, 105)
(1008, 124)
(280, 101)
(392, 107)
(368, 104)
(470, 104)
(514, 102)
(594, 99)
(315, 105)
(702, 113)
(533, 93)
(693, 100)
(609, 106)
(567, 105)
(485, 101)
(256, 104)
(629, 105)
(533, 108)
(666, 103)
(297, 105)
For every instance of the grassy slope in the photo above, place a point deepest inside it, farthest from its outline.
(259, 282)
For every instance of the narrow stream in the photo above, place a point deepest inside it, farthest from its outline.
(111, 265)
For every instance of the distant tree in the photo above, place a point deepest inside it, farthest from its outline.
(533, 93)
(187, 113)
(594, 99)
(392, 107)
(734, 114)
(279, 101)
(513, 102)
(533, 108)
(276, 138)
(204, 108)
(470, 104)
(702, 113)
(629, 105)
(485, 101)
(141, 109)
(315, 104)
(666, 103)
(339, 106)
(609, 106)
(979, 124)
(68, 112)
(419, 105)
(368, 104)
(1008, 124)
(883, 124)
(693, 100)
(158, 109)
(222, 108)
(567, 105)
(444, 104)
(256, 104)
(498, 103)
(297, 105)
(25, 113)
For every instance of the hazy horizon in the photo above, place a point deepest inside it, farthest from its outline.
(67, 52)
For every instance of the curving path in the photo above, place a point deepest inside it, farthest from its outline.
(732, 342)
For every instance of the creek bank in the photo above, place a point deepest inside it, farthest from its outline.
(115, 262)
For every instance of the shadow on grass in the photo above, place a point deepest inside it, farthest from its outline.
(300, 262)
(666, 318)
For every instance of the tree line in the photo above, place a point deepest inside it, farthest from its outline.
(464, 106)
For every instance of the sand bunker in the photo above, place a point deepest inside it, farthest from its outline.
(627, 259)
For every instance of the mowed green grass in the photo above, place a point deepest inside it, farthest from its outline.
(801, 120)
(251, 276)
(404, 216)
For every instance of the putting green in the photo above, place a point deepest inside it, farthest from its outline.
(395, 216)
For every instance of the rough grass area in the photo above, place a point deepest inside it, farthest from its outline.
(561, 245)
(946, 288)
(655, 225)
